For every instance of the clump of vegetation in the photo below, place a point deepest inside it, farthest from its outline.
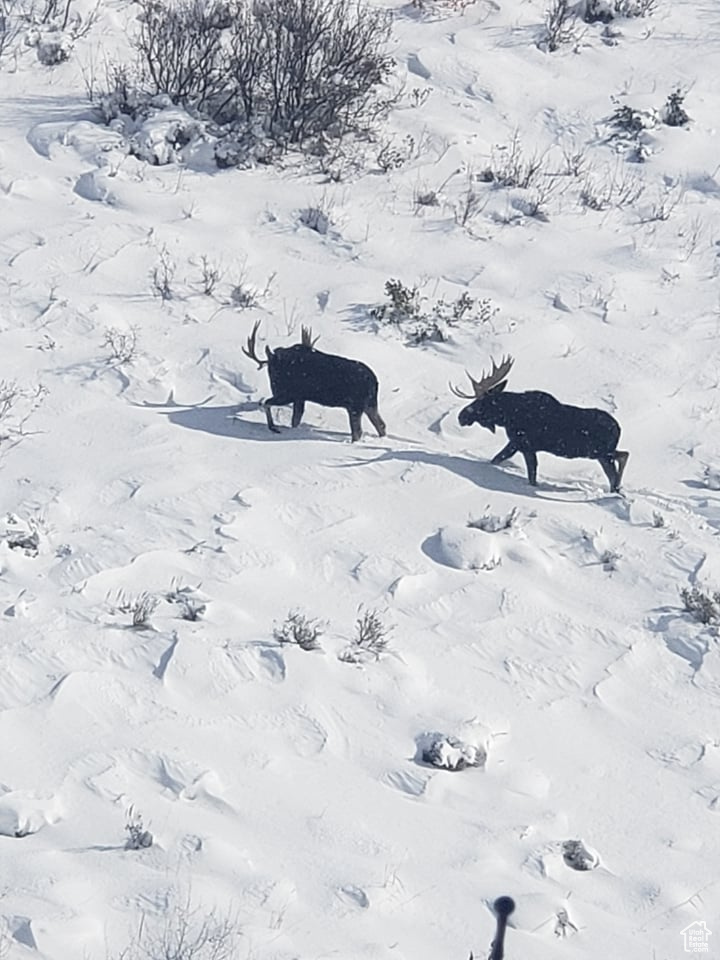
(405, 308)
(300, 630)
(370, 639)
(140, 607)
(701, 605)
(121, 344)
(673, 113)
(267, 76)
(560, 26)
(492, 523)
(138, 837)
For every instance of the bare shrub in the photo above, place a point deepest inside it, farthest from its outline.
(139, 607)
(673, 113)
(162, 275)
(138, 837)
(392, 156)
(300, 630)
(17, 405)
(183, 932)
(405, 310)
(701, 605)
(318, 216)
(560, 26)
(634, 8)
(510, 167)
(290, 71)
(210, 275)
(181, 51)
(492, 523)
(370, 639)
(121, 344)
(612, 187)
(245, 295)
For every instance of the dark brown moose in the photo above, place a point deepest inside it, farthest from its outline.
(302, 374)
(535, 421)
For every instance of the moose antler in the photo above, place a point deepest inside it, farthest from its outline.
(249, 351)
(487, 381)
(306, 337)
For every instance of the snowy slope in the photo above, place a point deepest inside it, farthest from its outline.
(284, 788)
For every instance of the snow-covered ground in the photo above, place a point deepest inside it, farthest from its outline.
(285, 789)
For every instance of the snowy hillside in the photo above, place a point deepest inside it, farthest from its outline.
(539, 633)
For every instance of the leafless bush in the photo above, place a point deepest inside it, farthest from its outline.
(17, 405)
(674, 113)
(469, 204)
(370, 639)
(140, 607)
(560, 26)
(183, 932)
(291, 71)
(191, 607)
(662, 207)
(138, 837)
(634, 8)
(162, 275)
(181, 50)
(318, 216)
(492, 523)
(121, 344)
(245, 295)
(456, 6)
(300, 630)
(211, 275)
(392, 156)
(612, 187)
(701, 605)
(510, 167)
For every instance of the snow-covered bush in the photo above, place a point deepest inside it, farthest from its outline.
(559, 27)
(370, 639)
(139, 607)
(17, 404)
(300, 630)
(701, 605)
(138, 838)
(673, 113)
(404, 309)
(579, 857)
(285, 73)
(449, 752)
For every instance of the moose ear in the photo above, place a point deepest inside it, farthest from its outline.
(499, 388)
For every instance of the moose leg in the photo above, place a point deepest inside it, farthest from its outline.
(611, 471)
(376, 420)
(298, 411)
(355, 427)
(506, 452)
(621, 458)
(531, 464)
(271, 401)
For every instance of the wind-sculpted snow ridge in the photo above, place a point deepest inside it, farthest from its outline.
(539, 720)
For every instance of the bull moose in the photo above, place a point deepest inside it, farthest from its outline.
(301, 374)
(535, 421)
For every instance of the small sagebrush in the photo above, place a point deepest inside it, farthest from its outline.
(140, 607)
(138, 837)
(370, 639)
(703, 607)
(300, 630)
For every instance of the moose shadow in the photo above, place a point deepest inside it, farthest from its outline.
(482, 474)
(226, 422)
